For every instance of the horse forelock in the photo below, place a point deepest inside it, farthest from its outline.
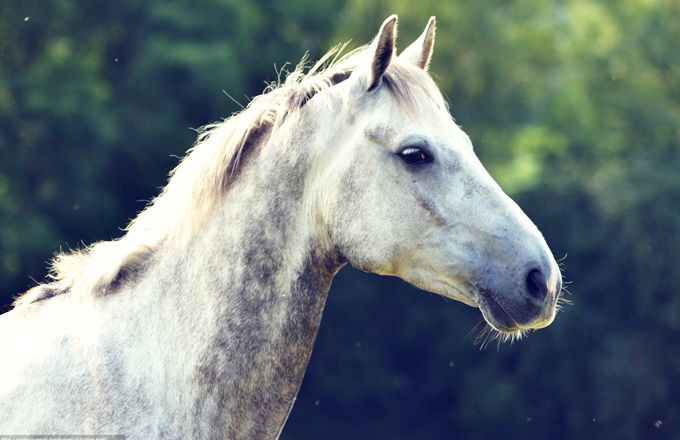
(198, 183)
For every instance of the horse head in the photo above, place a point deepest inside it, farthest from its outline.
(405, 195)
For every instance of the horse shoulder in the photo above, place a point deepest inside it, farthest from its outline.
(56, 358)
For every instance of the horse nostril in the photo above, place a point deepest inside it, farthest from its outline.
(537, 287)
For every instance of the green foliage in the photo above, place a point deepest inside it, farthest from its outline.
(573, 106)
(97, 100)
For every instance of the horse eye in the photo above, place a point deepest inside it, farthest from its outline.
(414, 156)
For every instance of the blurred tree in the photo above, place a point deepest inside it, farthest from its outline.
(573, 107)
(98, 99)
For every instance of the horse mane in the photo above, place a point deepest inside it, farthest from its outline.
(196, 185)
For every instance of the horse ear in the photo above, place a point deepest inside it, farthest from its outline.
(379, 54)
(420, 52)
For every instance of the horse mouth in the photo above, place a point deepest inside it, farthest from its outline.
(494, 313)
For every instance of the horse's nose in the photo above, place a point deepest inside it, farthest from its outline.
(537, 287)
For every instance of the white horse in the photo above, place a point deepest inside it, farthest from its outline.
(199, 322)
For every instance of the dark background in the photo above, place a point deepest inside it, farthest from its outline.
(573, 106)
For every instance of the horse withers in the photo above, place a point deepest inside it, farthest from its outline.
(199, 322)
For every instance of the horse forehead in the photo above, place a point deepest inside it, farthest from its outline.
(443, 135)
(380, 133)
(386, 122)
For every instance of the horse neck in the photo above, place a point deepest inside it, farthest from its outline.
(256, 280)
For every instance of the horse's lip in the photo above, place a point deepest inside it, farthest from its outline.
(494, 313)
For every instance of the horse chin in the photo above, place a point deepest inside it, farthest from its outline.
(494, 314)
(500, 320)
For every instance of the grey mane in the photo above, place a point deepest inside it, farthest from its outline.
(203, 176)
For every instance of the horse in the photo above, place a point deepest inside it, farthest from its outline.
(199, 322)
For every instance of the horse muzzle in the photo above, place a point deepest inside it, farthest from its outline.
(531, 305)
